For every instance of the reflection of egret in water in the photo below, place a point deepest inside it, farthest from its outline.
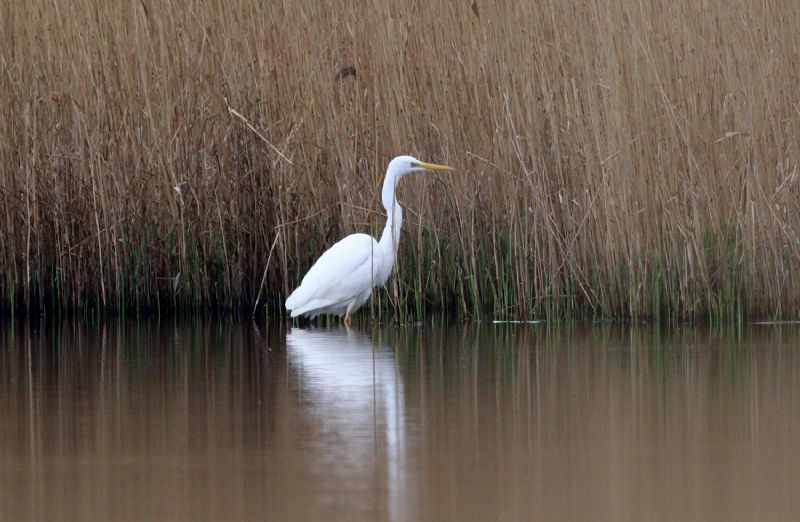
(354, 395)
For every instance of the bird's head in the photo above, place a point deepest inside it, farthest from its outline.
(399, 167)
(402, 165)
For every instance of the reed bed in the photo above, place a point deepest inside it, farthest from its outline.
(615, 159)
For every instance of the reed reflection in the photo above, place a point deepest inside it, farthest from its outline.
(224, 420)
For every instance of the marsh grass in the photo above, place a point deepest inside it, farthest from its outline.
(618, 159)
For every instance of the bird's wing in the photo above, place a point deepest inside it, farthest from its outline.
(341, 273)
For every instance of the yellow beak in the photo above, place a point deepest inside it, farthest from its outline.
(433, 166)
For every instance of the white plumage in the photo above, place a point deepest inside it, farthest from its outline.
(342, 279)
(325, 292)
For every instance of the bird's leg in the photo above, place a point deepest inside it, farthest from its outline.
(347, 320)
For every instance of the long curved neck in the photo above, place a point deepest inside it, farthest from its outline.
(394, 215)
(389, 187)
(390, 238)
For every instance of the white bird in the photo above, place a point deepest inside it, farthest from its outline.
(341, 280)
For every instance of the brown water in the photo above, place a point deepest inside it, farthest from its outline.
(229, 421)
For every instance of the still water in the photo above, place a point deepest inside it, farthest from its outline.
(225, 420)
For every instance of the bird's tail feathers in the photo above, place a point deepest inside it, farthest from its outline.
(311, 307)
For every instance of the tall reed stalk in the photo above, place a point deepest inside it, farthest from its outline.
(628, 159)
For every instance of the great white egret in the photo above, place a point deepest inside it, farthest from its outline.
(341, 280)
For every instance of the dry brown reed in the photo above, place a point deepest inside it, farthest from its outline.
(629, 159)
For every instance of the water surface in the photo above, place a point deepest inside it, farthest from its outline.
(226, 420)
